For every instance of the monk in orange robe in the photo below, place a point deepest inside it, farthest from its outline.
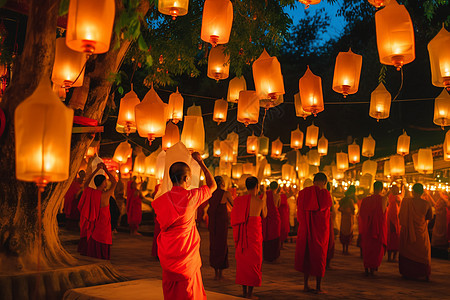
(393, 224)
(283, 210)
(247, 234)
(313, 214)
(71, 199)
(179, 240)
(134, 206)
(271, 225)
(373, 229)
(414, 260)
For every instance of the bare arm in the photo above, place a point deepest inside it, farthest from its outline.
(88, 180)
(112, 179)
(210, 182)
(264, 206)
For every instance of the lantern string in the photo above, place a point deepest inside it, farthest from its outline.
(81, 72)
(113, 142)
(133, 142)
(401, 85)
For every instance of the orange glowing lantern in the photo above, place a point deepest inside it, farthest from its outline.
(193, 134)
(68, 66)
(235, 86)
(446, 146)
(287, 171)
(303, 169)
(267, 76)
(314, 157)
(309, 2)
(42, 130)
(403, 144)
(248, 108)
(150, 162)
(236, 171)
(89, 25)
(277, 148)
(220, 111)
(267, 171)
(217, 21)
(252, 144)
(342, 161)
(233, 137)
(226, 151)
(368, 146)
(139, 164)
(425, 161)
(299, 111)
(296, 139)
(126, 120)
(151, 116)
(216, 148)
(263, 145)
(173, 8)
(395, 35)
(440, 59)
(347, 71)
(380, 103)
(397, 164)
(218, 63)
(369, 167)
(249, 168)
(378, 3)
(387, 168)
(125, 168)
(322, 146)
(171, 136)
(175, 107)
(353, 153)
(225, 168)
(91, 151)
(312, 134)
(337, 174)
(442, 109)
(310, 87)
(122, 152)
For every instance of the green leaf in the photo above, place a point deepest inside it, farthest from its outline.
(120, 90)
(149, 60)
(63, 6)
(142, 44)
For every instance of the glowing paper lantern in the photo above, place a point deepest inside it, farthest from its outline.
(312, 134)
(126, 120)
(322, 146)
(380, 103)
(139, 164)
(236, 171)
(440, 59)
(226, 151)
(91, 151)
(248, 168)
(171, 136)
(89, 25)
(173, 8)
(194, 110)
(252, 144)
(233, 137)
(287, 171)
(446, 146)
(217, 21)
(442, 109)
(347, 71)
(296, 139)
(337, 174)
(403, 144)
(68, 66)
(151, 116)
(175, 107)
(369, 167)
(160, 165)
(353, 153)
(218, 63)
(248, 108)
(397, 164)
(263, 145)
(216, 148)
(125, 168)
(122, 152)
(225, 168)
(395, 35)
(378, 3)
(150, 163)
(299, 111)
(368, 146)
(310, 87)
(342, 161)
(267, 170)
(314, 157)
(42, 130)
(387, 168)
(267, 76)
(415, 157)
(277, 148)
(235, 86)
(303, 170)
(220, 111)
(425, 161)
(193, 134)
(309, 2)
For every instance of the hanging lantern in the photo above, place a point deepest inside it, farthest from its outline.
(312, 134)
(68, 66)
(337, 174)
(309, 2)
(218, 63)
(126, 120)
(446, 147)
(173, 8)
(122, 152)
(403, 144)
(442, 109)
(125, 167)
(303, 170)
(194, 110)
(139, 164)
(286, 172)
(322, 146)
(225, 168)
(263, 145)
(226, 151)
(216, 148)
(277, 148)
(395, 35)
(160, 165)
(387, 168)
(369, 167)
(89, 25)
(248, 108)
(235, 86)
(368, 146)
(233, 137)
(378, 3)
(220, 111)
(397, 164)
(415, 157)
(249, 169)
(175, 107)
(440, 59)
(150, 162)
(296, 139)
(151, 116)
(267, 170)
(91, 151)
(171, 136)
(347, 71)
(425, 161)
(299, 111)
(267, 76)
(236, 171)
(252, 144)
(42, 130)
(353, 153)
(193, 134)
(380, 103)
(342, 161)
(217, 21)
(314, 157)
(310, 87)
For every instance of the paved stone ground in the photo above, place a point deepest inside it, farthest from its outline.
(131, 255)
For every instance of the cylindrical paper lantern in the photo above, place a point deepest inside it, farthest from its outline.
(236, 171)
(440, 59)
(403, 144)
(312, 134)
(425, 161)
(151, 116)
(387, 168)
(442, 109)
(68, 66)
(267, 76)
(314, 157)
(353, 153)
(139, 164)
(217, 21)
(296, 139)
(218, 63)
(235, 86)
(216, 150)
(299, 111)
(263, 145)
(248, 108)
(368, 146)
(342, 161)
(220, 111)
(277, 148)
(310, 87)
(369, 167)
(126, 119)
(248, 168)
(267, 170)
(226, 151)
(322, 146)
(347, 71)
(397, 164)
(175, 107)
(380, 103)
(171, 136)
(193, 134)
(252, 144)
(173, 8)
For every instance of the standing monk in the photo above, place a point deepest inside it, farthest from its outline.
(134, 206)
(218, 228)
(71, 199)
(179, 241)
(393, 224)
(313, 214)
(414, 260)
(283, 210)
(247, 233)
(271, 225)
(347, 209)
(373, 229)
(157, 228)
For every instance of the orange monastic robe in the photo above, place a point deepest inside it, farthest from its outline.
(179, 242)
(393, 224)
(89, 207)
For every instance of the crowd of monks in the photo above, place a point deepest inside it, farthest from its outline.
(392, 221)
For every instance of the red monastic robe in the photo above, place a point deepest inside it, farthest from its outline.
(134, 207)
(284, 217)
(313, 214)
(89, 207)
(373, 231)
(70, 205)
(101, 238)
(247, 235)
(271, 227)
(393, 224)
(179, 242)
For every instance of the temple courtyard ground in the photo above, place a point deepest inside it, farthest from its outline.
(131, 256)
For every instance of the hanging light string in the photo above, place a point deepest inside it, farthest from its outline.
(401, 85)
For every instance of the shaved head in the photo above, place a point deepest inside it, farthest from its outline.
(178, 172)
